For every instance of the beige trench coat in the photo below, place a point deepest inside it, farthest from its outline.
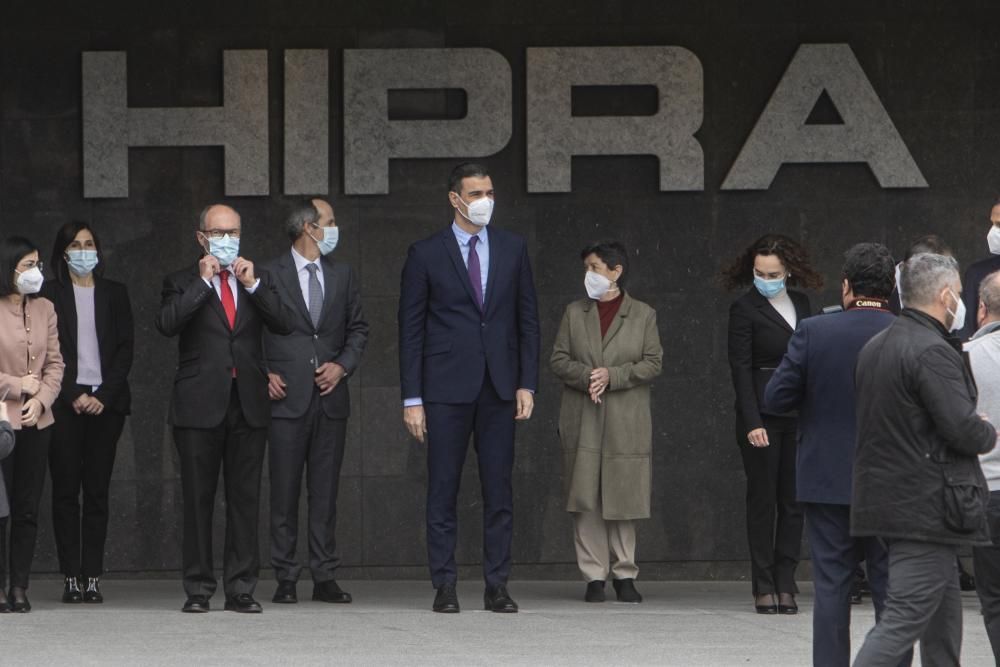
(607, 448)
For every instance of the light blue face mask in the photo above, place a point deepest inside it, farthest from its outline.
(331, 235)
(769, 288)
(226, 249)
(81, 262)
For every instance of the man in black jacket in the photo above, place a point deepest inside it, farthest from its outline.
(917, 481)
(219, 408)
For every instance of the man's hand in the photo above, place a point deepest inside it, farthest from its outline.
(31, 411)
(208, 267)
(416, 422)
(275, 387)
(85, 404)
(525, 404)
(243, 270)
(30, 385)
(328, 376)
(758, 437)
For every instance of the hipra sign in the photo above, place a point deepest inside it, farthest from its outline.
(554, 135)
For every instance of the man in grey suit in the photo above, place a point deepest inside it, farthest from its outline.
(310, 403)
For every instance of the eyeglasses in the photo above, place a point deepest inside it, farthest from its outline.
(219, 233)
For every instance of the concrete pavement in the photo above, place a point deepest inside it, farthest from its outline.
(680, 623)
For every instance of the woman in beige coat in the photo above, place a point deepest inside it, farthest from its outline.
(31, 370)
(607, 353)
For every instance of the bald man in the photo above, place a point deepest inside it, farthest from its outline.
(219, 408)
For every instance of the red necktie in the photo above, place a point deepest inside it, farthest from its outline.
(228, 302)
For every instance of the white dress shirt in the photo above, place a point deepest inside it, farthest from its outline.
(303, 274)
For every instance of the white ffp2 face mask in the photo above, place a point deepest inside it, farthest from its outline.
(958, 315)
(993, 239)
(596, 284)
(479, 212)
(29, 282)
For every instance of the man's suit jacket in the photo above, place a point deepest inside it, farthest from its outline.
(446, 343)
(340, 337)
(115, 339)
(758, 336)
(816, 377)
(970, 291)
(208, 350)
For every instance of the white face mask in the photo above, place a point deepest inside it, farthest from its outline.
(993, 239)
(479, 212)
(958, 315)
(29, 282)
(596, 284)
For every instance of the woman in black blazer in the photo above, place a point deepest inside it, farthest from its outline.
(96, 337)
(760, 323)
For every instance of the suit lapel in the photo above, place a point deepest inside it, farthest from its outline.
(216, 303)
(618, 322)
(69, 297)
(329, 288)
(592, 324)
(451, 246)
(768, 311)
(491, 281)
(102, 307)
(289, 278)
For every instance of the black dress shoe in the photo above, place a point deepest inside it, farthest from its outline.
(243, 603)
(329, 591)
(765, 604)
(625, 589)
(18, 600)
(446, 600)
(595, 591)
(4, 606)
(196, 604)
(285, 593)
(71, 591)
(92, 594)
(499, 600)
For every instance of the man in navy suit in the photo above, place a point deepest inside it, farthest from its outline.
(468, 365)
(816, 377)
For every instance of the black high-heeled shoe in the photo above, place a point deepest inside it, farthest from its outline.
(787, 609)
(4, 605)
(771, 608)
(18, 600)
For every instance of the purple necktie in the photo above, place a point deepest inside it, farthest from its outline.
(474, 274)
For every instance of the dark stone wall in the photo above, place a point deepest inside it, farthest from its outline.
(933, 64)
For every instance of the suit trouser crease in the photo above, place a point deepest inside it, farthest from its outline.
(82, 459)
(314, 442)
(490, 422)
(774, 518)
(835, 556)
(24, 474)
(604, 546)
(986, 561)
(238, 450)
(923, 604)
